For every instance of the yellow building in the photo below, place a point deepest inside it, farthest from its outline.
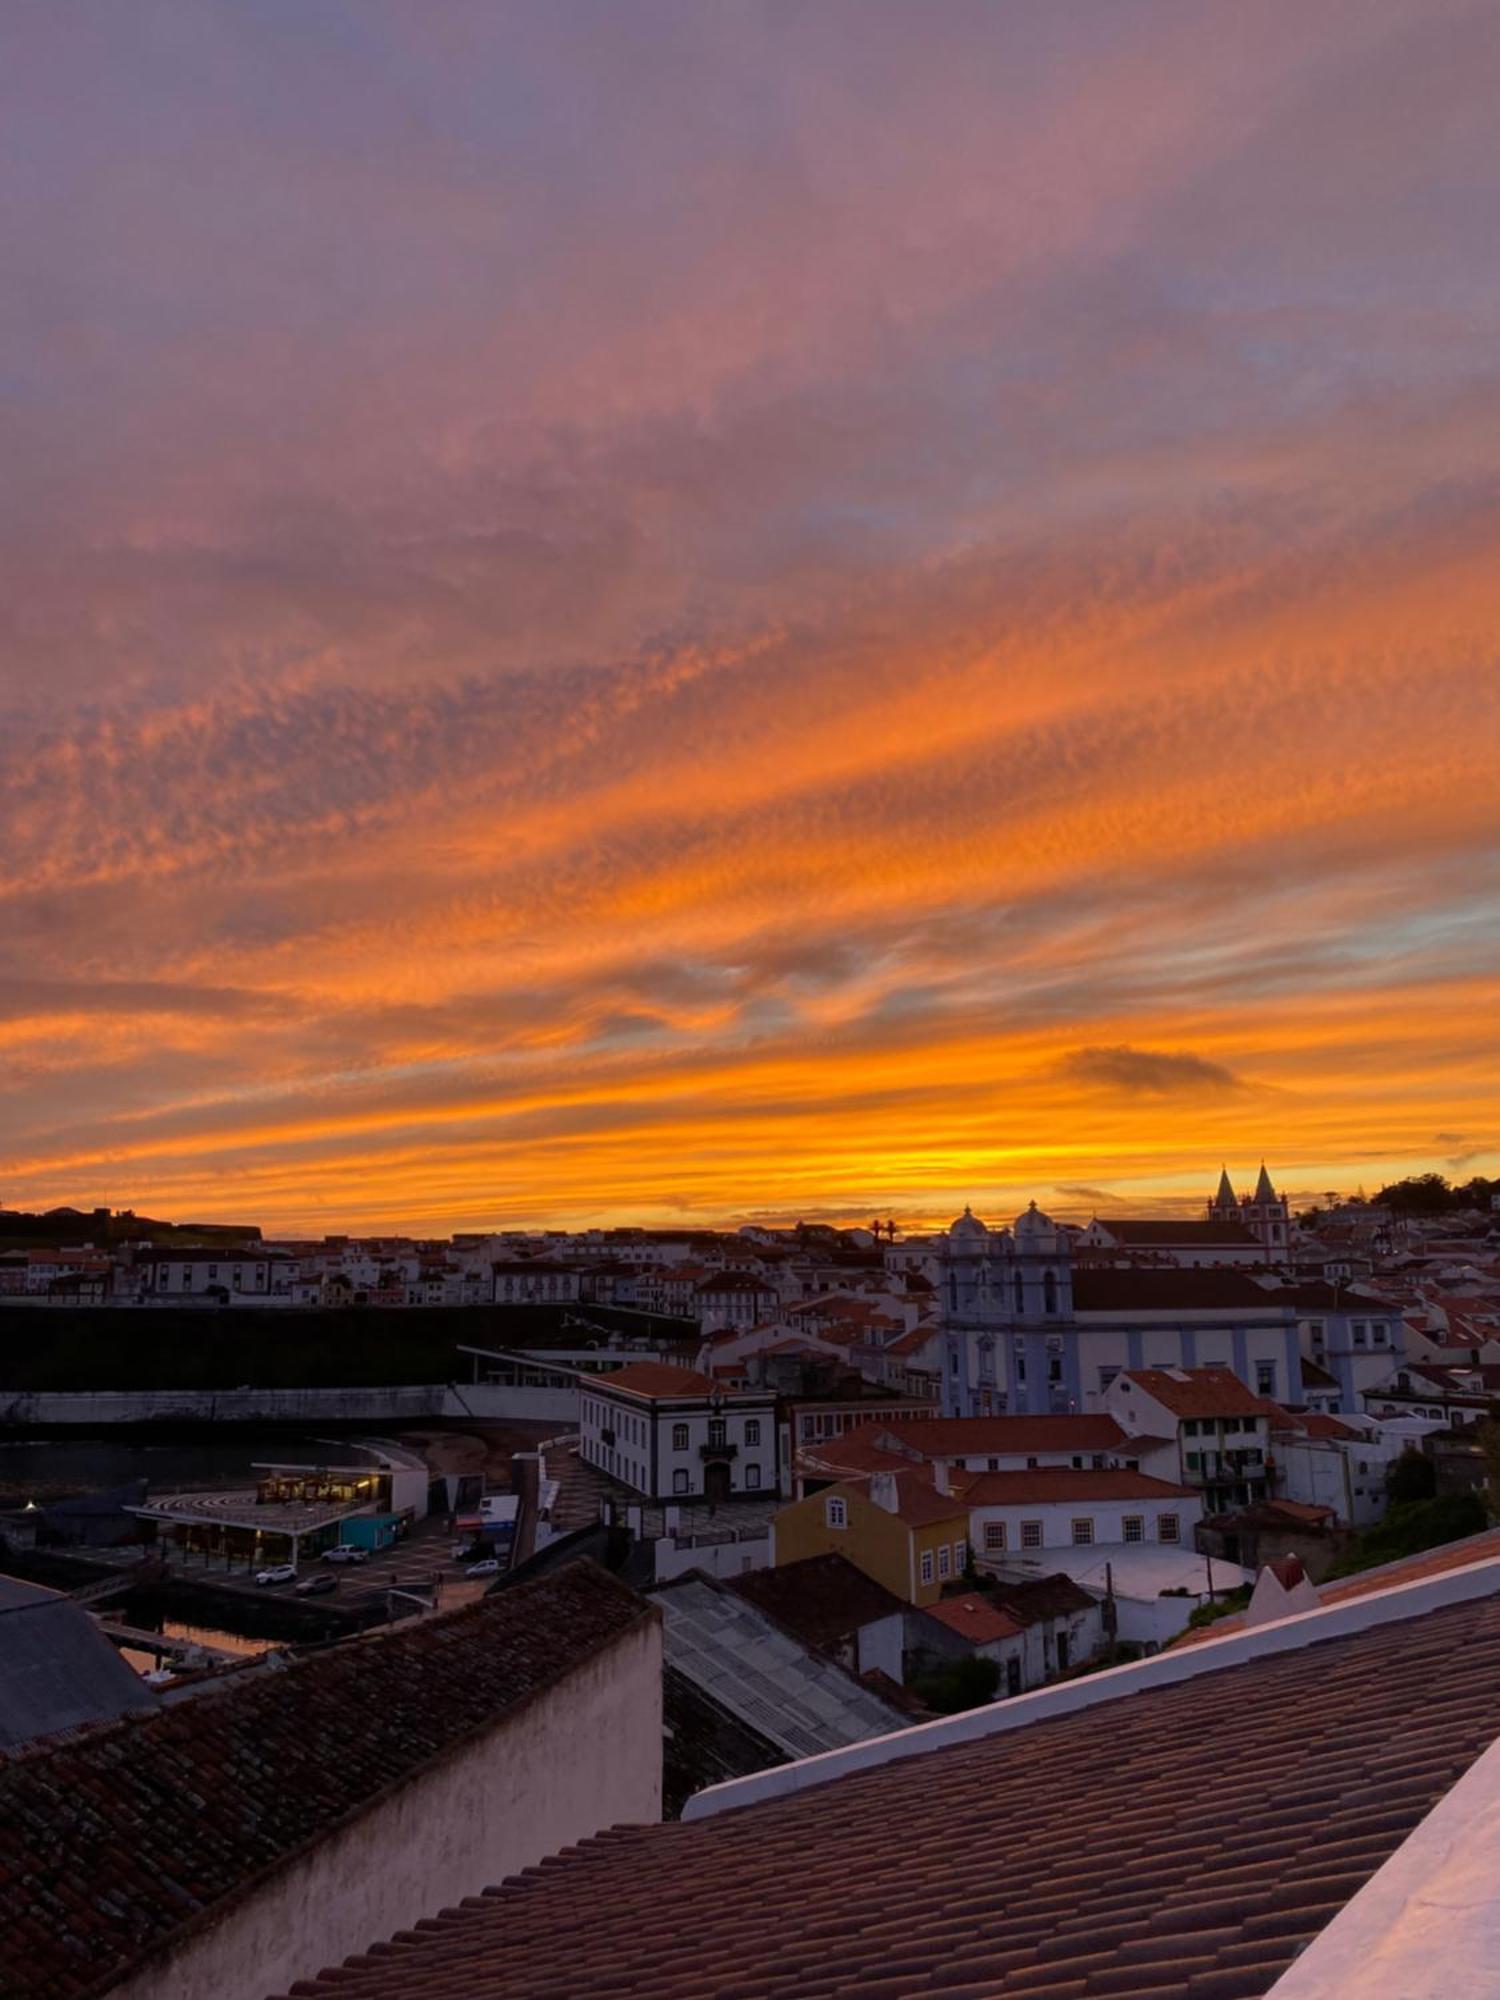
(898, 1529)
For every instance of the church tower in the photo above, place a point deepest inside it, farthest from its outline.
(1225, 1205)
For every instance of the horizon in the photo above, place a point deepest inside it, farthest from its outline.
(615, 615)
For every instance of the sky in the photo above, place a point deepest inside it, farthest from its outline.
(662, 612)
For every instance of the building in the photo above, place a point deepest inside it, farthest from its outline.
(1192, 1245)
(898, 1529)
(1302, 1809)
(674, 1434)
(239, 1273)
(1021, 1513)
(1265, 1214)
(274, 1818)
(1026, 1331)
(1222, 1430)
(534, 1281)
(293, 1513)
(57, 1669)
(1354, 1336)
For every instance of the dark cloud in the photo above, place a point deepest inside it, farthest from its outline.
(1150, 1072)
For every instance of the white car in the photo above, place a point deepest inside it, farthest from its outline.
(280, 1573)
(489, 1567)
(344, 1553)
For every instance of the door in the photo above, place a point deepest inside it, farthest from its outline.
(1012, 1676)
(715, 1482)
(1062, 1652)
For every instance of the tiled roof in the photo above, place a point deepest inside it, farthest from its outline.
(972, 1437)
(823, 1599)
(1199, 1392)
(656, 1380)
(918, 1502)
(1110, 1865)
(1047, 1483)
(1483, 1547)
(1173, 1289)
(976, 1619)
(1197, 1234)
(114, 1841)
(763, 1676)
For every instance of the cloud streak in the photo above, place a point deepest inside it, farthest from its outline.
(598, 621)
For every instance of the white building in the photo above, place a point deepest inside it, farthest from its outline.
(1020, 1513)
(1222, 1430)
(674, 1434)
(238, 1273)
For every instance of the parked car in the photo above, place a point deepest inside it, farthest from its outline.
(489, 1567)
(317, 1586)
(345, 1553)
(278, 1573)
(461, 1551)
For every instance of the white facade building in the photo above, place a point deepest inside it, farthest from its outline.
(674, 1434)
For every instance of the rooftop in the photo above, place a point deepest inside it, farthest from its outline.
(823, 1599)
(843, 1880)
(1045, 1484)
(657, 1382)
(1174, 1289)
(1199, 1392)
(57, 1670)
(763, 1676)
(108, 1849)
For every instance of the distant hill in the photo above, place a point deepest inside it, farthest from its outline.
(103, 1226)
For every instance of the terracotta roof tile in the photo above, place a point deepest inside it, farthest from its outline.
(113, 1841)
(867, 1885)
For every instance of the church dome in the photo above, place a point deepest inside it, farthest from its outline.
(1033, 1223)
(967, 1230)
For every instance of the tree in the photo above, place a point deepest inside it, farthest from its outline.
(967, 1683)
(1418, 1194)
(1412, 1476)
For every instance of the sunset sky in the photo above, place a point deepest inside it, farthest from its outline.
(674, 611)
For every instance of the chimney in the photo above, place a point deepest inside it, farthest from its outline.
(884, 1492)
(940, 1475)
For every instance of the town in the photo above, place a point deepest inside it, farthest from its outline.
(690, 1520)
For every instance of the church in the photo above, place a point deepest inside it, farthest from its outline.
(1029, 1328)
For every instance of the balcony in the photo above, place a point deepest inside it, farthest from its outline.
(718, 1454)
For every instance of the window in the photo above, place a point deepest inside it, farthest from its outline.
(1097, 1461)
(1195, 1461)
(1168, 1528)
(1265, 1378)
(993, 1464)
(927, 1565)
(718, 1431)
(945, 1561)
(752, 1475)
(752, 1430)
(1135, 1527)
(960, 1556)
(1083, 1533)
(1031, 1465)
(1106, 1376)
(994, 1537)
(1077, 1462)
(1361, 1333)
(1054, 1370)
(679, 1437)
(1049, 1293)
(838, 1514)
(1190, 1427)
(679, 1481)
(1031, 1534)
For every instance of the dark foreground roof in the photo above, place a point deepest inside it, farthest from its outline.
(57, 1669)
(114, 1842)
(1184, 1843)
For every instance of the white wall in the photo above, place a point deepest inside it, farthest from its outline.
(722, 1559)
(582, 1756)
(1108, 1517)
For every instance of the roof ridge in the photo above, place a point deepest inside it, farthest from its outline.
(1327, 1621)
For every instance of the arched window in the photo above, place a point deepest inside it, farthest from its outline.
(1049, 1292)
(953, 1291)
(1020, 1294)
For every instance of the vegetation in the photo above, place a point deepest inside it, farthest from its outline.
(961, 1684)
(1219, 1607)
(1412, 1526)
(1431, 1194)
(1412, 1476)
